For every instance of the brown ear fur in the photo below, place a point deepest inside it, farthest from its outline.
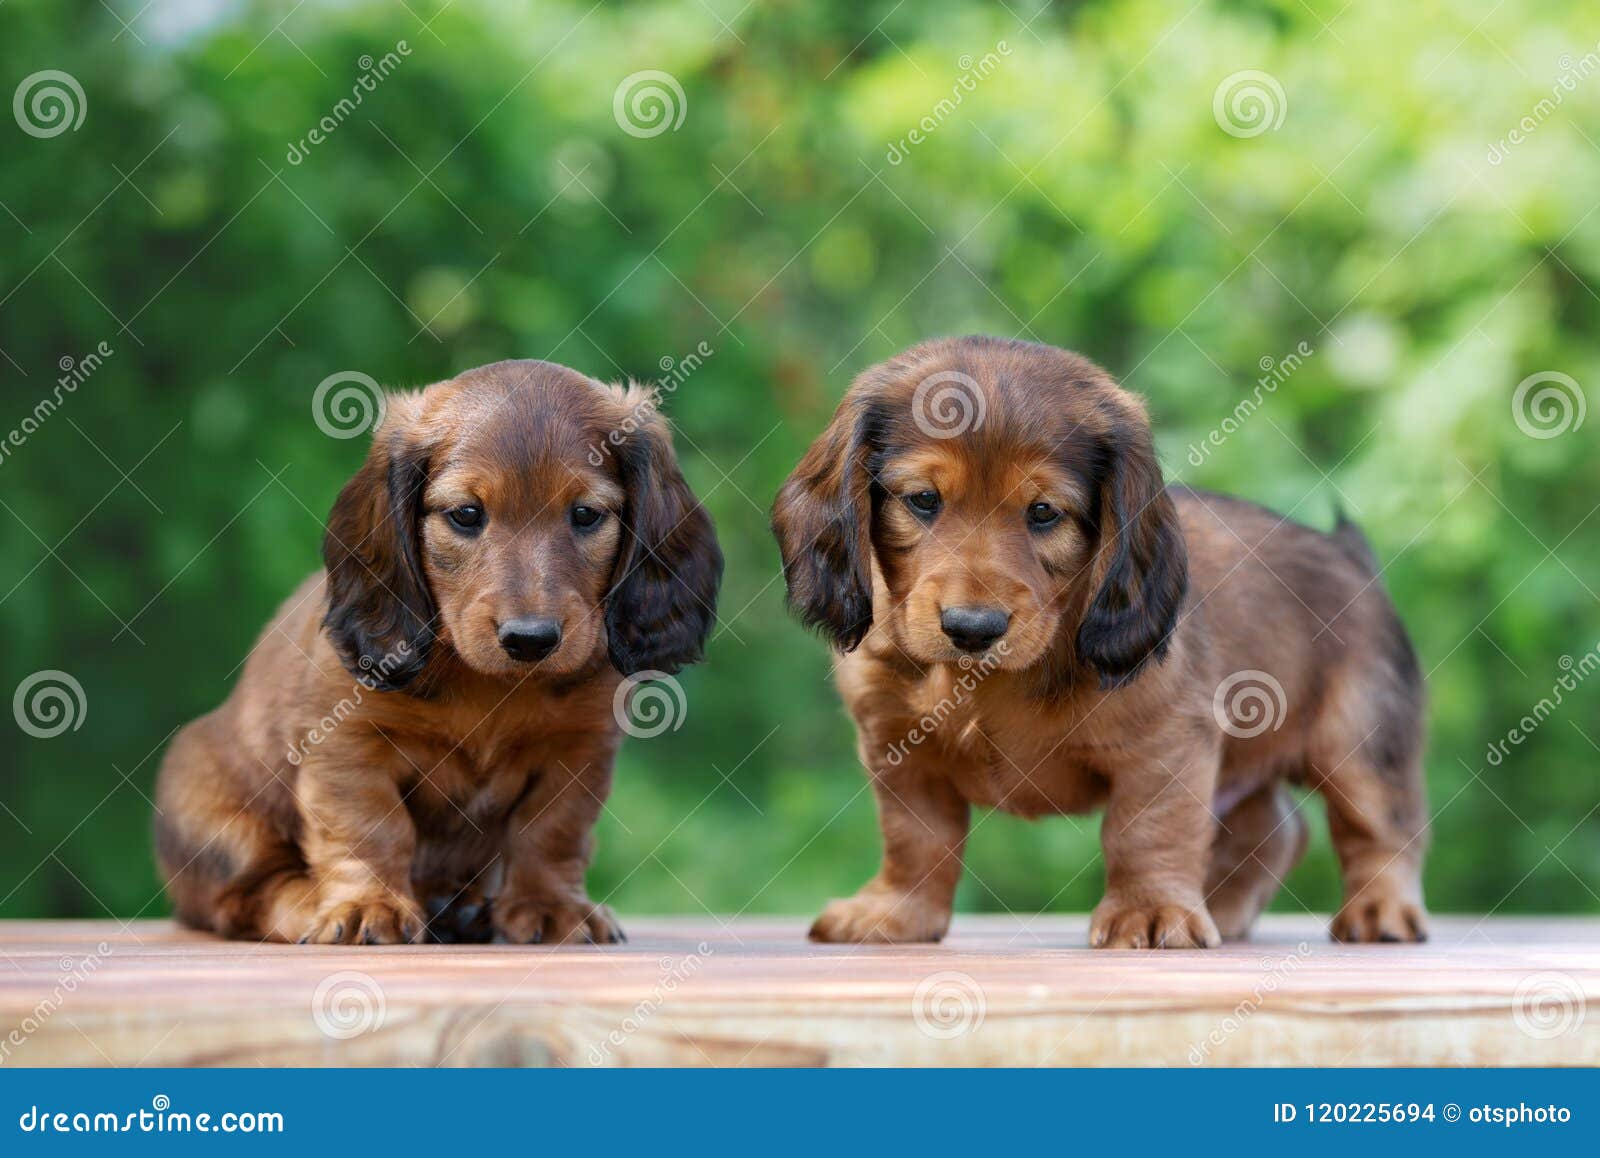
(663, 600)
(1141, 566)
(380, 615)
(823, 522)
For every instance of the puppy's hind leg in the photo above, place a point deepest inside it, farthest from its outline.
(229, 864)
(1367, 763)
(1259, 844)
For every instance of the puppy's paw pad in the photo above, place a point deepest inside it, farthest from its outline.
(879, 918)
(1151, 925)
(379, 921)
(565, 921)
(1367, 919)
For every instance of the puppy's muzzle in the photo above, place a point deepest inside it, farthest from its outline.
(974, 628)
(530, 640)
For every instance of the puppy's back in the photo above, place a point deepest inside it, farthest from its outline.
(1296, 602)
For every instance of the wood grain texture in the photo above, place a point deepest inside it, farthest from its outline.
(999, 991)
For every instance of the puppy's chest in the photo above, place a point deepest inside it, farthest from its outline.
(1008, 753)
(475, 782)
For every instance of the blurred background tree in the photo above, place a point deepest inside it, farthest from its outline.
(1387, 212)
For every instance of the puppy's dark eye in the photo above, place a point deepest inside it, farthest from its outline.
(924, 502)
(586, 517)
(1042, 515)
(467, 518)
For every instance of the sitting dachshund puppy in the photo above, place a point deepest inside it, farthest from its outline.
(1030, 621)
(422, 738)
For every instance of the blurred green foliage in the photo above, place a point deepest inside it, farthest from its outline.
(482, 201)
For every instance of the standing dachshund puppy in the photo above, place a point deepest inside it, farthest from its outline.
(423, 736)
(1031, 621)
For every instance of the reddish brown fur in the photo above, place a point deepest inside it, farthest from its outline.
(456, 787)
(1126, 614)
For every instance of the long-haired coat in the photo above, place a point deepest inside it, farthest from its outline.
(422, 739)
(1029, 620)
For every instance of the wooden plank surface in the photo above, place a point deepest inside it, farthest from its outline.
(999, 991)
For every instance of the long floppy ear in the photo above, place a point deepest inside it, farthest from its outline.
(1141, 560)
(380, 613)
(823, 522)
(663, 599)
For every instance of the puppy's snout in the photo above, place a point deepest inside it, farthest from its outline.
(530, 639)
(974, 628)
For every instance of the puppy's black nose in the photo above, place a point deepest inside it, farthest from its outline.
(530, 639)
(974, 628)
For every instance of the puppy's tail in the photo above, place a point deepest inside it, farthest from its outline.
(1353, 542)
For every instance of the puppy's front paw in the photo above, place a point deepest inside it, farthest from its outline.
(384, 920)
(881, 916)
(1375, 915)
(1145, 923)
(554, 920)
